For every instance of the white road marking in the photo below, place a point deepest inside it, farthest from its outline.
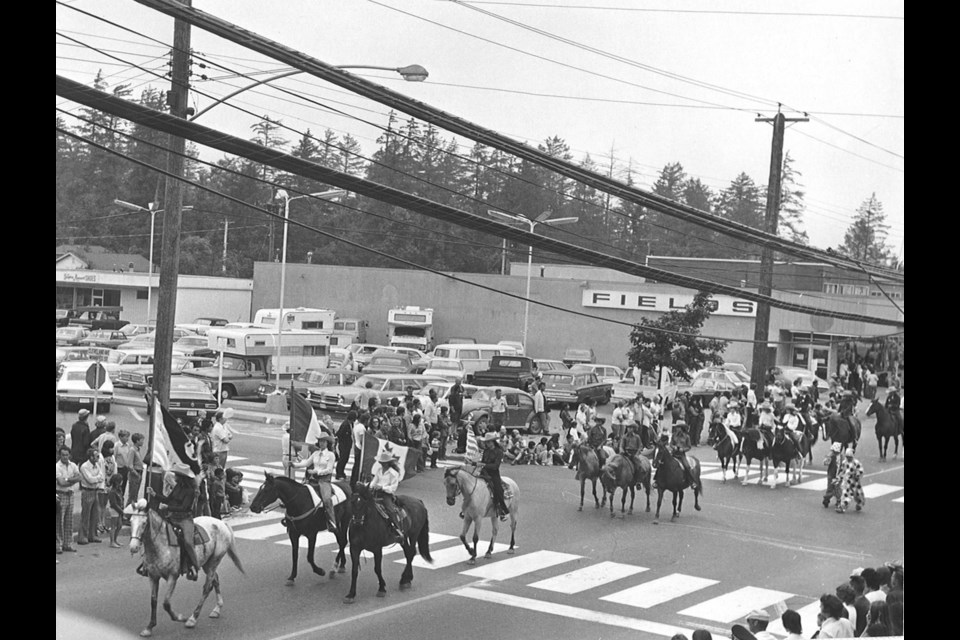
(324, 538)
(820, 484)
(455, 555)
(527, 563)
(876, 490)
(900, 500)
(134, 413)
(576, 613)
(808, 620)
(248, 518)
(736, 604)
(261, 533)
(588, 577)
(650, 594)
(234, 458)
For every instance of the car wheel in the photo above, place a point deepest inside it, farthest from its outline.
(533, 426)
(226, 393)
(606, 398)
(483, 422)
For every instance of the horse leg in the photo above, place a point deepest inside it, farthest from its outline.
(613, 494)
(216, 589)
(341, 559)
(407, 577)
(355, 552)
(776, 474)
(207, 588)
(659, 502)
(171, 586)
(646, 488)
(602, 501)
(154, 591)
(583, 487)
(675, 512)
(311, 547)
(623, 501)
(513, 529)
(463, 538)
(633, 495)
(378, 569)
(746, 473)
(495, 525)
(295, 555)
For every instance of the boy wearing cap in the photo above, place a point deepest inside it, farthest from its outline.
(321, 474)
(757, 621)
(849, 473)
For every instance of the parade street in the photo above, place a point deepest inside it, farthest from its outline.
(574, 574)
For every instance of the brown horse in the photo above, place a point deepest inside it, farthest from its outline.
(621, 471)
(751, 450)
(726, 450)
(588, 468)
(886, 428)
(670, 476)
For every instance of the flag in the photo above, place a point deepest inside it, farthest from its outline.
(473, 449)
(374, 446)
(304, 426)
(170, 444)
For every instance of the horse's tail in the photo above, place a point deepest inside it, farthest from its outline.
(423, 542)
(232, 552)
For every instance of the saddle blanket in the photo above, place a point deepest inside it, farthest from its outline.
(337, 495)
(200, 535)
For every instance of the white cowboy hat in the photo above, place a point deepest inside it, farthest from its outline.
(182, 469)
(385, 457)
(324, 436)
(490, 435)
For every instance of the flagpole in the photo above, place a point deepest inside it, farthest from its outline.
(290, 473)
(151, 435)
(363, 447)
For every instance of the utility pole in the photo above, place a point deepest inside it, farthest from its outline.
(771, 218)
(172, 216)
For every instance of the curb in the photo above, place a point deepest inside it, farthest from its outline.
(249, 416)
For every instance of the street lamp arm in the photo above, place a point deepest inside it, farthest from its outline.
(246, 88)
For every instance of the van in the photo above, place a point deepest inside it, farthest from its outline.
(473, 357)
(348, 331)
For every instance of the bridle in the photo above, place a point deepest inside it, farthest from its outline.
(455, 474)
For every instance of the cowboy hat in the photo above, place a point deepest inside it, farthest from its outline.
(758, 614)
(790, 406)
(490, 436)
(182, 469)
(385, 457)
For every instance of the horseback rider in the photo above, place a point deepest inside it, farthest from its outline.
(384, 486)
(321, 466)
(180, 502)
(731, 424)
(679, 446)
(892, 403)
(630, 444)
(595, 439)
(766, 423)
(791, 422)
(490, 471)
(841, 428)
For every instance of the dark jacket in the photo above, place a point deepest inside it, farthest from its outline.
(345, 435)
(79, 441)
(181, 499)
(492, 458)
(596, 436)
(631, 442)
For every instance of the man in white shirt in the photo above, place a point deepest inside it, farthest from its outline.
(92, 479)
(359, 433)
(431, 410)
(540, 407)
(221, 435)
(498, 409)
(321, 475)
(618, 421)
(68, 475)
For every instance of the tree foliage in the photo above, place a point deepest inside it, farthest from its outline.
(682, 351)
(866, 237)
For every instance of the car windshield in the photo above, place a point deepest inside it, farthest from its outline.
(193, 342)
(233, 364)
(509, 364)
(116, 357)
(392, 362)
(484, 395)
(558, 378)
(581, 367)
(363, 380)
(178, 383)
(66, 331)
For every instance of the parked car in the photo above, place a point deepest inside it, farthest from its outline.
(446, 368)
(71, 336)
(443, 392)
(72, 389)
(549, 365)
(64, 316)
(606, 372)
(97, 317)
(134, 330)
(573, 387)
(200, 326)
(341, 358)
(574, 356)
(459, 340)
(120, 360)
(104, 338)
(138, 377)
(520, 411)
(188, 397)
(194, 345)
(512, 344)
(720, 380)
(516, 372)
(362, 353)
(630, 387)
(384, 361)
(312, 378)
(787, 375)
(385, 386)
(80, 354)
(146, 340)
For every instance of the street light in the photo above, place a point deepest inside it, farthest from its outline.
(282, 194)
(153, 212)
(410, 73)
(542, 218)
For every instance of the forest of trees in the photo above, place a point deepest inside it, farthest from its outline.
(411, 156)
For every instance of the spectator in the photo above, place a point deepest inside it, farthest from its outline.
(861, 604)
(883, 574)
(872, 580)
(109, 433)
(123, 454)
(217, 492)
(678, 636)
(847, 596)
(896, 587)
(68, 475)
(498, 409)
(540, 407)
(233, 490)
(221, 436)
(114, 509)
(878, 620)
(757, 621)
(359, 433)
(849, 475)
(444, 424)
(790, 620)
(832, 463)
(109, 465)
(61, 441)
(91, 480)
(434, 448)
(896, 618)
(541, 453)
(702, 634)
(135, 472)
(835, 624)
(740, 632)
(415, 435)
(344, 444)
(80, 438)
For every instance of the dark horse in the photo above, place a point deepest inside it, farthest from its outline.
(588, 468)
(886, 428)
(786, 450)
(843, 427)
(750, 449)
(726, 450)
(370, 531)
(620, 471)
(304, 519)
(670, 477)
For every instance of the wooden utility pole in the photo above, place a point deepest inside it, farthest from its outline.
(173, 200)
(771, 218)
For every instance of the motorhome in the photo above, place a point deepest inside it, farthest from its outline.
(299, 318)
(347, 331)
(410, 327)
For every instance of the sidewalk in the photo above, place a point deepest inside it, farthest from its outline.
(242, 414)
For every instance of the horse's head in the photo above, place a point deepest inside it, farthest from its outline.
(359, 499)
(266, 496)
(451, 484)
(139, 521)
(874, 405)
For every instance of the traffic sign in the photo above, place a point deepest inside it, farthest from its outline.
(96, 375)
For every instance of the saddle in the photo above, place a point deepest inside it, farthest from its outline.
(175, 534)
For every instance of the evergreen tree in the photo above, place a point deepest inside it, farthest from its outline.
(740, 202)
(866, 237)
(792, 205)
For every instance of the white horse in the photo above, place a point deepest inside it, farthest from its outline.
(478, 503)
(149, 531)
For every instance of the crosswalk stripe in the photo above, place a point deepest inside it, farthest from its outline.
(234, 458)
(239, 520)
(456, 554)
(324, 538)
(717, 475)
(262, 532)
(876, 490)
(588, 577)
(527, 563)
(575, 613)
(650, 594)
(254, 468)
(808, 620)
(900, 500)
(278, 465)
(736, 604)
(820, 484)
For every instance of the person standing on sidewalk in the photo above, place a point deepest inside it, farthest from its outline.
(221, 436)
(498, 410)
(68, 475)
(135, 470)
(91, 481)
(80, 438)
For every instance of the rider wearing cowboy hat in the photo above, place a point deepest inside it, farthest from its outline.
(490, 461)
(385, 481)
(180, 502)
(595, 439)
(324, 464)
(630, 444)
(791, 422)
(679, 448)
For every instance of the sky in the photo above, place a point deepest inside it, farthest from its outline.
(646, 82)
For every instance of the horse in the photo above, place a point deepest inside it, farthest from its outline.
(844, 428)
(304, 519)
(588, 468)
(750, 449)
(369, 530)
(620, 471)
(161, 559)
(885, 429)
(726, 450)
(670, 476)
(786, 450)
(478, 504)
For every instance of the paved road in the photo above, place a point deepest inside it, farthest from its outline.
(574, 575)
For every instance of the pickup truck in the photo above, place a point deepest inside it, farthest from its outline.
(507, 371)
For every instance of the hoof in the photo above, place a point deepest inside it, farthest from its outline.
(598, 506)
(319, 571)
(613, 515)
(656, 522)
(580, 508)
(648, 509)
(290, 582)
(630, 512)
(487, 556)
(181, 618)
(472, 560)
(348, 600)
(215, 613)
(381, 594)
(146, 633)
(190, 624)
(342, 570)
(404, 586)
(511, 551)
(697, 507)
